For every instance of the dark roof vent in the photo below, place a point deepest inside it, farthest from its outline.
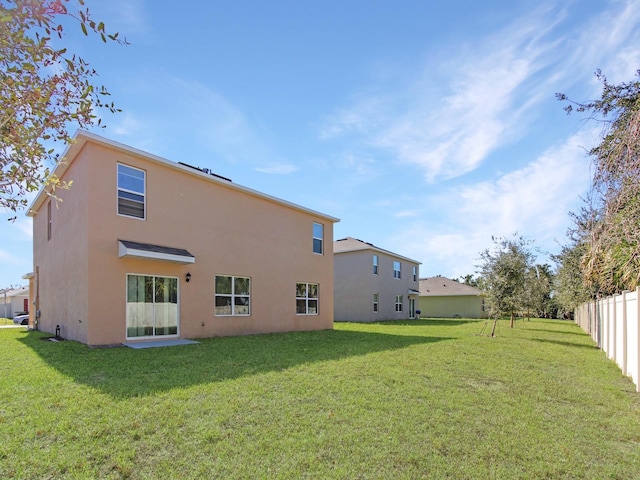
(207, 171)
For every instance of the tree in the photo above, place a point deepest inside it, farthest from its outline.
(536, 298)
(470, 280)
(608, 226)
(44, 90)
(503, 273)
(570, 289)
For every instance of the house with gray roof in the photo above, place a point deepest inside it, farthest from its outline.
(372, 284)
(441, 297)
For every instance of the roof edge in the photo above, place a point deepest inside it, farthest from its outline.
(81, 137)
(371, 246)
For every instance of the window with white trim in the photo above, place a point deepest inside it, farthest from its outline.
(396, 269)
(318, 238)
(306, 298)
(232, 296)
(131, 191)
(375, 264)
(415, 273)
(376, 296)
(398, 303)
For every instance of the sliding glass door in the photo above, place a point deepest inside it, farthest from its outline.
(152, 306)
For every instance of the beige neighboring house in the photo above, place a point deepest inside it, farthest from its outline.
(14, 301)
(441, 297)
(372, 284)
(142, 248)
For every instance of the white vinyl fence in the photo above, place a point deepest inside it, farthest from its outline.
(613, 323)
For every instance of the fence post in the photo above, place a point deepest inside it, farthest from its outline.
(637, 359)
(608, 327)
(614, 329)
(624, 332)
(600, 323)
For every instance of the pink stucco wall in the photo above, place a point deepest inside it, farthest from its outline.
(229, 229)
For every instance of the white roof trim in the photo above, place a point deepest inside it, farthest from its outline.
(82, 136)
(362, 246)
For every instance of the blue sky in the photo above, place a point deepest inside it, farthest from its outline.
(426, 127)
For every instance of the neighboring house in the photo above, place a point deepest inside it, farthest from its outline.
(372, 284)
(142, 248)
(441, 297)
(14, 301)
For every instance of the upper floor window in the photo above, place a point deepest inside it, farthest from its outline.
(396, 269)
(232, 295)
(415, 273)
(131, 191)
(375, 264)
(318, 238)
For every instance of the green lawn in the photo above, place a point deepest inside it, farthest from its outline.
(402, 400)
(5, 321)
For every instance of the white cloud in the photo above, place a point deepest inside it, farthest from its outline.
(462, 108)
(190, 111)
(277, 169)
(25, 228)
(369, 111)
(126, 125)
(449, 129)
(212, 117)
(406, 214)
(123, 16)
(8, 257)
(609, 41)
(533, 201)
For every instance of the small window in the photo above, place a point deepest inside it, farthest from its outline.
(398, 303)
(131, 191)
(375, 264)
(375, 302)
(306, 298)
(318, 238)
(396, 269)
(49, 221)
(415, 273)
(232, 295)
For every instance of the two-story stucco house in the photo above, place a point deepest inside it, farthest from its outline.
(142, 248)
(372, 284)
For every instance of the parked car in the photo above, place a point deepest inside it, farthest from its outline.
(21, 319)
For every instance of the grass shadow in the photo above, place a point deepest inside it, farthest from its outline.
(125, 372)
(579, 332)
(436, 322)
(564, 344)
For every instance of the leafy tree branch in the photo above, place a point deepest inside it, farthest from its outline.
(45, 90)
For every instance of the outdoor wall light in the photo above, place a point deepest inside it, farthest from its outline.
(188, 277)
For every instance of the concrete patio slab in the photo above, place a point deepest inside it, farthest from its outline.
(160, 343)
